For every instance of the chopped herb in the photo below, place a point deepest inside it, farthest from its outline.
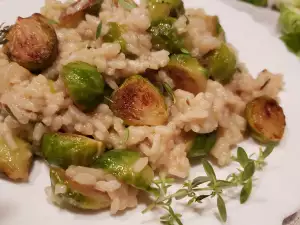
(185, 51)
(51, 86)
(98, 31)
(170, 92)
(126, 135)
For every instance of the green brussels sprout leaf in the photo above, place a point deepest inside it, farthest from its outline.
(63, 150)
(120, 163)
(202, 145)
(84, 83)
(15, 163)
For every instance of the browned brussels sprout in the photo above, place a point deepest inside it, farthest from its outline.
(138, 102)
(15, 163)
(32, 43)
(75, 13)
(266, 119)
(187, 73)
(62, 149)
(74, 194)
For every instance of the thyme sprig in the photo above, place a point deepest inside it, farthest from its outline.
(209, 186)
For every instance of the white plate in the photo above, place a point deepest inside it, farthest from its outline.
(275, 195)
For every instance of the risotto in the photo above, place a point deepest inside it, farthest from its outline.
(111, 93)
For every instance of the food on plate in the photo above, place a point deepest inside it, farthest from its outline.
(202, 144)
(159, 9)
(15, 160)
(84, 84)
(75, 12)
(32, 43)
(131, 97)
(165, 36)
(138, 102)
(114, 34)
(127, 166)
(187, 73)
(64, 150)
(69, 192)
(216, 29)
(266, 119)
(221, 63)
(289, 25)
(262, 3)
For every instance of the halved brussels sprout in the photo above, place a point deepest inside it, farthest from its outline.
(221, 64)
(214, 26)
(75, 194)
(75, 13)
(262, 3)
(15, 163)
(165, 36)
(62, 149)
(138, 102)
(289, 22)
(32, 43)
(160, 9)
(84, 83)
(186, 73)
(120, 163)
(114, 34)
(266, 119)
(202, 145)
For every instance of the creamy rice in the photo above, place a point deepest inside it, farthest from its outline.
(39, 105)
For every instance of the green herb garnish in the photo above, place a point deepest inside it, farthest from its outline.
(170, 91)
(99, 29)
(193, 190)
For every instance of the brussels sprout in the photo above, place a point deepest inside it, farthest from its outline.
(160, 9)
(32, 43)
(221, 64)
(15, 163)
(266, 119)
(186, 73)
(120, 163)
(202, 145)
(262, 3)
(138, 102)
(289, 22)
(214, 26)
(75, 13)
(64, 149)
(84, 83)
(114, 34)
(165, 36)
(292, 42)
(283, 3)
(77, 195)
